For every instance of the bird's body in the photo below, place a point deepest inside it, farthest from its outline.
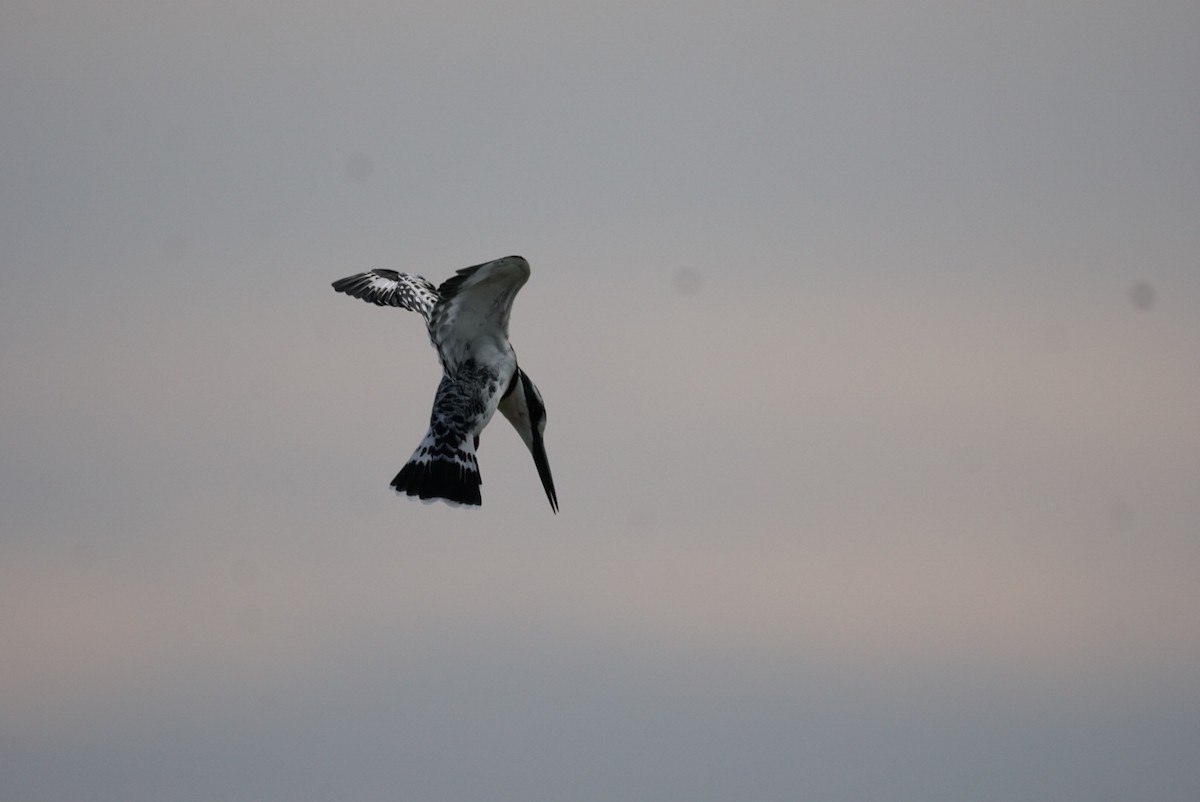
(467, 318)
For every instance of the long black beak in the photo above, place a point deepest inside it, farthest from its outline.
(543, 468)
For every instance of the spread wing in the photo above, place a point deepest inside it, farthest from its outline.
(475, 305)
(389, 288)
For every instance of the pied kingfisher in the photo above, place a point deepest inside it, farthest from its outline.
(467, 318)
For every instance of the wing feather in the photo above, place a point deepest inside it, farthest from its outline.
(389, 288)
(476, 303)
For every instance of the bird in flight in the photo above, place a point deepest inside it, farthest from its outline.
(467, 318)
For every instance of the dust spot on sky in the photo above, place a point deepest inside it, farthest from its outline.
(1120, 516)
(970, 460)
(173, 247)
(244, 573)
(262, 225)
(1142, 295)
(84, 555)
(359, 166)
(640, 518)
(249, 619)
(688, 281)
(173, 139)
(1057, 338)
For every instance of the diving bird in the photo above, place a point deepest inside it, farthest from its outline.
(467, 318)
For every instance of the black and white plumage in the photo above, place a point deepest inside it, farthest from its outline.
(467, 318)
(389, 288)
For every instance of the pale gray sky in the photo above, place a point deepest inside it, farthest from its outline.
(869, 338)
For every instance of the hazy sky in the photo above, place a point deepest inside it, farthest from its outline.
(869, 336)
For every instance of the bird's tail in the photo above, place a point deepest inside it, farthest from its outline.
(441, 469)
